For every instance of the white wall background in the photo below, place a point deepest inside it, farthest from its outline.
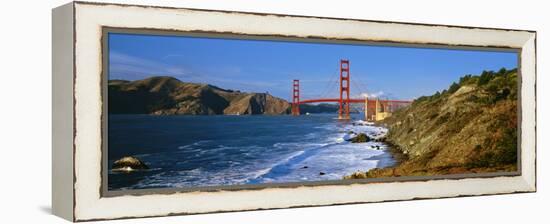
(25, 112)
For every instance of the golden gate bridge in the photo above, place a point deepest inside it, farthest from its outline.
(375, 109)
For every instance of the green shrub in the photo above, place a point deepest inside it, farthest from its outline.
(467, 79)
(485, 77)
(507, 146)
(443, 119)
(435, 96)
(421, 99)
(504, 150)
(433, 115)
(500, 85)
(454, 87)
(472, 98)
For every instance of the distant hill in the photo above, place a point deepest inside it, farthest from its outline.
(319, 108)
(164, 95)
(469, 128)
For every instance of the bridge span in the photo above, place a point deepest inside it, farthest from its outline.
(375, 109)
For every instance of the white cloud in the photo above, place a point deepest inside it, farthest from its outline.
(125, 66)
(373, 95)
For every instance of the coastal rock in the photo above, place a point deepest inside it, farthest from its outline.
(257, 103)
(380, 139)
(356, 175)
(129, 163)
(361, 137)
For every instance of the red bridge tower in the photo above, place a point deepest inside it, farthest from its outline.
(296, 97)
(372, 107)
(343, 112)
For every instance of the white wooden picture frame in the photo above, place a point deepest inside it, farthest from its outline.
(78, 109)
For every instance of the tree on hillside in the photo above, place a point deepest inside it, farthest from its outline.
(453, 88)
(502, 71)
(485, 77)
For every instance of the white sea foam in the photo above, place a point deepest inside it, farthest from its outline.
(198, 143)
(331, 156)
(336, 159)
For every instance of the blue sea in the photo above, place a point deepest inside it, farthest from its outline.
(191, 151)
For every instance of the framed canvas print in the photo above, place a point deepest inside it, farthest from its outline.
(165, 111)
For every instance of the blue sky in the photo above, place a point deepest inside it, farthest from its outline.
(270, 66)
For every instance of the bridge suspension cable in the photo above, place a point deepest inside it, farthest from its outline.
(332, 84)
(344, 100)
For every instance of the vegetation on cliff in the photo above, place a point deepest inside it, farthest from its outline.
(469, 128)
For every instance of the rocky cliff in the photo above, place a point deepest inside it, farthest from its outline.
(168, 96)
(469, 128)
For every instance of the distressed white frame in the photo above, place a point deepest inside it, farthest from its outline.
(89, 19)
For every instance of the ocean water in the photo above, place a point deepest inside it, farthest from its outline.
(191, 151)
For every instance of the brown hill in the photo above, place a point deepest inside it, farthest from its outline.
(469, 128)
(163, 95)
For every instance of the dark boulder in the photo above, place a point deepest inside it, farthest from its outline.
(362, 137)
(129, 163)
(381, 139)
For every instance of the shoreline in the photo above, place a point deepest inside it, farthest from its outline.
(396, 153)
(405, 166)
(393, 149)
